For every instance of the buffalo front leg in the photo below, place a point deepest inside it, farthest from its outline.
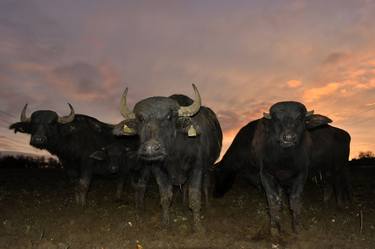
(120, 187)
(195, 199)
(206, 185)
(139, 184)
(185, 195)
(82, 188)
(165, 190)
(295, 201)
(274, 194)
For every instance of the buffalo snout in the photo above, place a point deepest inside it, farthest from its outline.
(38, 140)
(288, 139)
(151, 150)
(114, 168)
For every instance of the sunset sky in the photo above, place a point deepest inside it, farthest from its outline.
(243, 56)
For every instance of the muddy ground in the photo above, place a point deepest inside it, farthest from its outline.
(37, 210)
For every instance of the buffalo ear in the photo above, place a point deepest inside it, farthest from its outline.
(317, 120)
(23, 127)
(125, 128)
(266, 115)
(68, 128)
(98, 155)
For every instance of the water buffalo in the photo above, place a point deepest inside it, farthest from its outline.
(330, 153)
(74, 139)
(237, 161)
(330, 158)
(326, 146)
(281, 148)
(179, 140)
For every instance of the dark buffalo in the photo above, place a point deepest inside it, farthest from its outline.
(179, 140)
(73, 139)
(330, 158)
(237, 161)
(330, 153)
(281, 149)
(119, 158)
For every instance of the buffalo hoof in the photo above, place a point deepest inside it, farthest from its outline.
(165, 223)
(275, 232)
(199, 229)
(78, 199)
(297, 228)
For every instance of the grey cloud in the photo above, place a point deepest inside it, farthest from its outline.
(228, 119)
(27, 33)
(83, 76)
(335, 58)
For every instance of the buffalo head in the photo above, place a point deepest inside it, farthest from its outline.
(287, 120)
(114, 156)
(157, 120)
(42, 125)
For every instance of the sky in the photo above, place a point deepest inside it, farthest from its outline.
(243, 56)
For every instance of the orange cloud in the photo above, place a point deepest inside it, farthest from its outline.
(313, 94)
(294, 83)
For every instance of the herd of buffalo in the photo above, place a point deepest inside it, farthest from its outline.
(177, 141)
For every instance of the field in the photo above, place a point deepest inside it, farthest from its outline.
(37, 210)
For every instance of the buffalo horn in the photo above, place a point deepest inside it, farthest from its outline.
(24, 118)
(191, 110)
(69, 118)
(309, 113)
(125, 111)
(266, 115)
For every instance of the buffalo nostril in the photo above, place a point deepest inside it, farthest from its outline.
(151, 147)
(156, 147)
(38, 140)
(288, 137)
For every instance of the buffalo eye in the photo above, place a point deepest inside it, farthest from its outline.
(141, 118)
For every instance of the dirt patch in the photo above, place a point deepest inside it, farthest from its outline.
(37, 210)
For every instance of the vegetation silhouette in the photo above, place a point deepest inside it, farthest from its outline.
(28, 162)
(365, 158)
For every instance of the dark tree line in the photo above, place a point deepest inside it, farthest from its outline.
(365, 158)
(28, 162)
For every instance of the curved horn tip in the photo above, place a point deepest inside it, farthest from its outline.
(125, 92)
(124, 110)
(70, 106)
(196, 89)
(266, 115)
(25, 106)
(309, 113)
(69, 118)
(24, 117)
(188, 111)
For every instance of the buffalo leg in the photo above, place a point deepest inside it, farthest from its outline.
(185, 194)
(206, 185)
(274, 198)
(83, 187)
(139, 186)
(120, 186)
(295, 201)
(165, 189)
(342, 186)
(195, 199)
